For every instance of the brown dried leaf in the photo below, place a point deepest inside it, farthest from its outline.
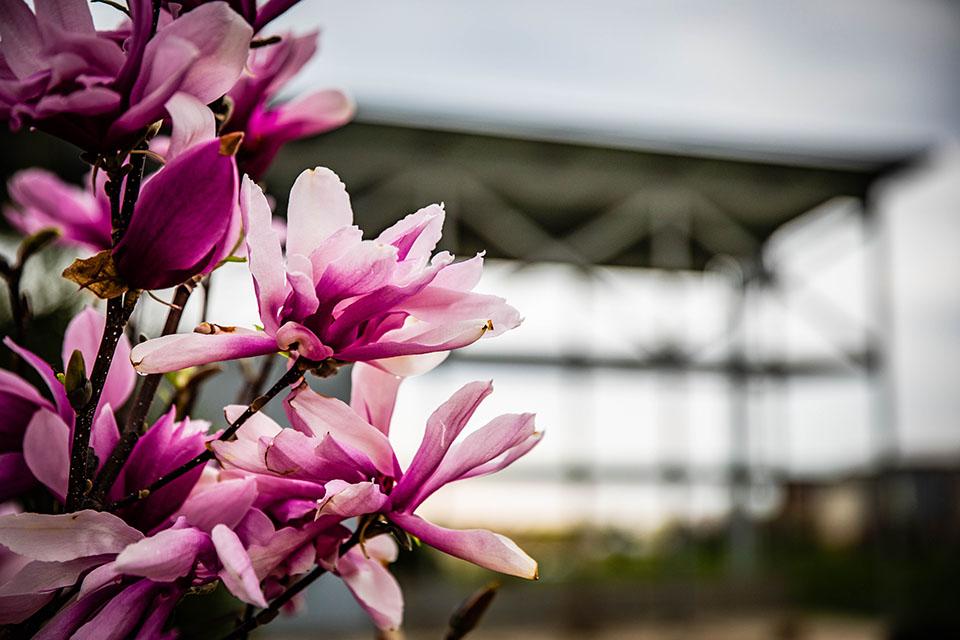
(97, 273)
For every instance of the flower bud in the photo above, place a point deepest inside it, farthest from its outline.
(186, 219)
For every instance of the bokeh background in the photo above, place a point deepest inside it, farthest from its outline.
(732, 229)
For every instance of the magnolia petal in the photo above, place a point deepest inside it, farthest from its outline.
(182, 350)
(443, 427)
(59, 538)
(479, 546)
(46, 450)
(121, 615)
(14, 609)
(164, 556)
(265, 257)
(483, 445)
(221, 38)
(347, 500)
(193, 123)
(373, 394)
(321, 415)
(415, 365)
(223, 503)
(294, 336)
(45, 577)
(237, 573)
(374, 587)
(181, 220)
(49, 378)
(319, 205)
(417, 235)
(417, 338)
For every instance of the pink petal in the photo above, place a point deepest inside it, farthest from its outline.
(302, 300)
(417, 338)
(319, 205)
(221, 38)
(417, 235)
(182, 221)
(192, 120)
(264, 254)
(373, 394)
(69, 15)
(223, 503)
(374, 587)
(480, 447)
(347, 500)
(436, 305)
(45, 577)
(46, 450)
(14, 609)
(19, 38)
(164, 556)
(49, 378)
(119, 618)
(64, 537)
(443, 427)
(483, 548)
(319, 415)
(415, 365)
(295, 336)
(180, 351)
(461, 276)
(237, 573)
(104, 435)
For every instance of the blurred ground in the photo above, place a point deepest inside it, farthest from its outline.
(769, 626)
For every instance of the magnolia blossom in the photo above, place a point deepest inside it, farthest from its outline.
(100, 89)
(186, 219)
(267, 126)
(355, 471)
(41, 200)
(257, 17)
(339, 296)
(28, 417)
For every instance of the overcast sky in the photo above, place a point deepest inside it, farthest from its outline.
(816, 77)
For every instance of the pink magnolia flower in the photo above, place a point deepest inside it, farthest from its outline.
(99, 90)
(267, 126)
(28, 415)
(41, 200)
(186, 220)
(339, 296)
(128, 578)
(256, 17)
(332, 446)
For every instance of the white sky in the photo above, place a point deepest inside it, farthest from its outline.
(819, 77)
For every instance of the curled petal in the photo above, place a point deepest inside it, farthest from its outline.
(374, 587)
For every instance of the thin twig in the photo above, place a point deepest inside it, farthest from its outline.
(295, 372)
(272, 611)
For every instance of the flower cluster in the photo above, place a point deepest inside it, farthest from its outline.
(108, 519)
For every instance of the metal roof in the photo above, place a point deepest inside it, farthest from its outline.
(541, 200)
